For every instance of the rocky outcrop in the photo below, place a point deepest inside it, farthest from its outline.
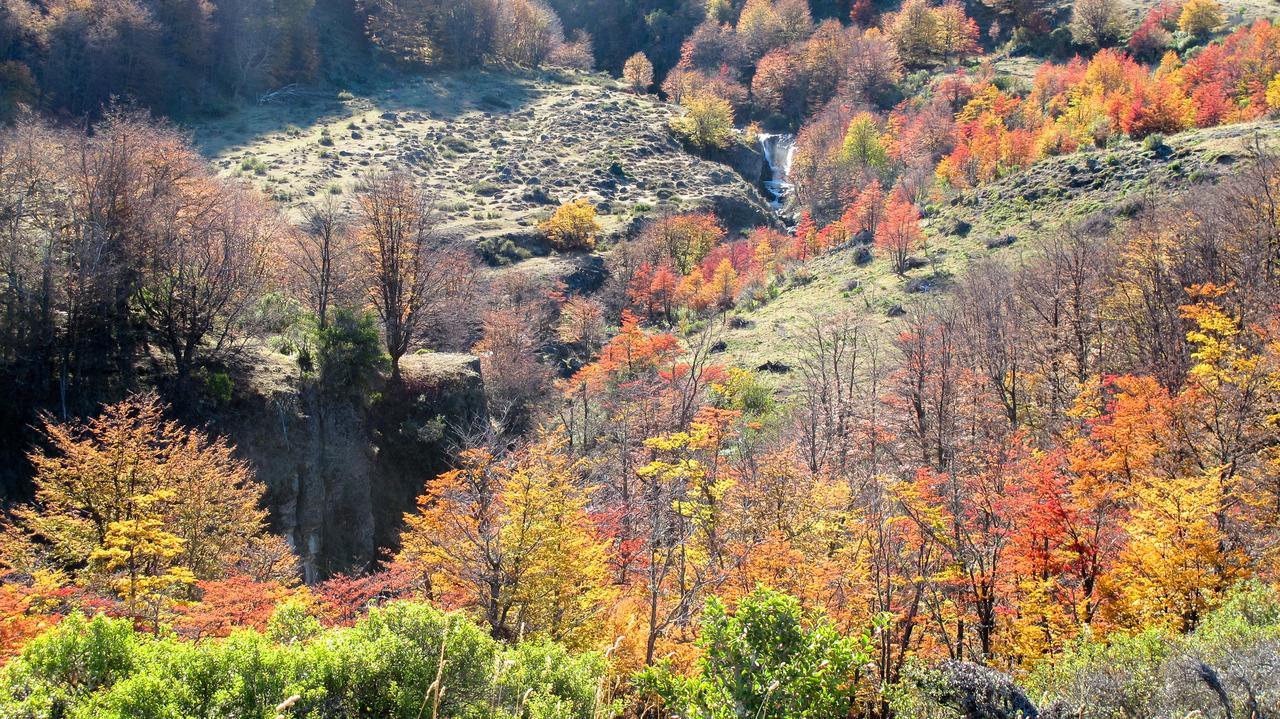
(339, 475)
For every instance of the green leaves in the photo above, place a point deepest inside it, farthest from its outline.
(390, 665)
(770, 658)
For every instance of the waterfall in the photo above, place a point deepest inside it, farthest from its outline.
(778, 150)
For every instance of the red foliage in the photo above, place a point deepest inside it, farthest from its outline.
(899, 234)
(344, 597)
(229, 604)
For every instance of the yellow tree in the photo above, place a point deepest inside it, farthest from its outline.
(152, 505)
(707, 123)
(511, 540)
(723, 288)
(1173, 568)
(683, 490)
(1200, 17)
(572, 226)
(564, 587)
(1228, 414)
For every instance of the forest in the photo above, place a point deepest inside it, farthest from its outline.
(1004, 442)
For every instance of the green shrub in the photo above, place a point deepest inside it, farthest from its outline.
(349, 353)
(68, 663)
(389, 665)
(769, 660)
(1159, 673)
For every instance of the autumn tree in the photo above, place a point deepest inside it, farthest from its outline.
(759, 29)
(638, 73)
(956, 33)
(514, 378)
(778, 86)
(413, 280)
(913, 29)
(1200, 17)
(1097, 23)
(573, 226)
(707, 123)
(432, 32)
(153, 507)
(207, 269)
(526, 32)
(509, 538)
(899, 232)
(582, 324)
(682, 240)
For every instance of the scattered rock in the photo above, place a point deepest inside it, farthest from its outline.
(919, 284)
(959, 228)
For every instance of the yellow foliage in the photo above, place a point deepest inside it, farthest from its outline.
(1200, 17)
(707, 123)
(573, 226)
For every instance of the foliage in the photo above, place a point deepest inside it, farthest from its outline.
(1097, 23)
(638, 73)
(1230, 657)
(766, 659)
(400, 661)
(573, 226)
(348, 354)
(154, 507)
(707, 123)
(512, 541)
(1200, 17)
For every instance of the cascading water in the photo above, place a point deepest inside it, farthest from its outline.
(778, 153)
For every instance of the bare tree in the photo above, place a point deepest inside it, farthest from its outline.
(832, 353)
(321, 251)
(207, 266)
(413, 278)
(992, 326)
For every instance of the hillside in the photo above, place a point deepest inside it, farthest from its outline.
(498, 152)
(998, 220)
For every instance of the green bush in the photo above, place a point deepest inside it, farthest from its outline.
(389, 665)
(770, 659)
(1158, 673)
(349, 353)
(67, 664)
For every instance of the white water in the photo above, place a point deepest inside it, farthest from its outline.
(778, 150)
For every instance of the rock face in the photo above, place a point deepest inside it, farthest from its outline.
(340, 476)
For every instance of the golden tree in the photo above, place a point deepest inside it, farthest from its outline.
(707, 123)
(573, 226)
(511, 540)
(1200, 17)
(637, 72)
(151, 505)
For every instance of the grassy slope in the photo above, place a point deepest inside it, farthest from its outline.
(497, 150)
(1025, 205)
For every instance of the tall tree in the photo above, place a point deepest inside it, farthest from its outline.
(412, 277)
